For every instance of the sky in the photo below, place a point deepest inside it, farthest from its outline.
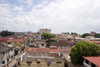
(80, 16)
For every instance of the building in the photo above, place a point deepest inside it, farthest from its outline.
(38, 43)
(45, 31)
(68, 62)
(64, 44)
(18, 44)
(93, 61)
(93, 33)
(51, 49)
(59, 39)
(89, 37)
(40, 59)
(96, 42)
(6, 54)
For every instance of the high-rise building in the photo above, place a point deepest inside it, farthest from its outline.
(93, 33)
(44, 31)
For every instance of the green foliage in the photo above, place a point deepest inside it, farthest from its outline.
(6, 33)
(97, 35)
(67, 32)
(83, 48)
(46, 36)
(74, 33)
(85, 34)
(50, 40)
(68, 39)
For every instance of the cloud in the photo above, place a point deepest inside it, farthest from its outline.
(16, 8)
(59, 15)
(5, 10)
(28, 2)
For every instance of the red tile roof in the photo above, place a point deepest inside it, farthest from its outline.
(53, 47)
(95, 60)
(89, 41)
(30, 49)
(97, 42)
(11, 40)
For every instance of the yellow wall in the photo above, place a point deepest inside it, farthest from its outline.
(17, 44)
(41, 64)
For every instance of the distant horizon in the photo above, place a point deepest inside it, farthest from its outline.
(47, 28)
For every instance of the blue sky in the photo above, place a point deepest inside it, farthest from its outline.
(58, 15)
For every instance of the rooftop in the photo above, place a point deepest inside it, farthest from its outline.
(40, 56)
(95, 60)
(64, 43)
(31, 49)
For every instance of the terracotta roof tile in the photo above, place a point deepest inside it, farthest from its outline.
(95, 60)
(30, 49)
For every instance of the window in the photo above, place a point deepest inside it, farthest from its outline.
(29, 63)
(58, 62)
(86, 61)
(3, 53)
(93, 65)
(38, 62)
(42, 44)
(48, 63)
(18, 63)
(3, 62)
(9, 43)
(11, 56)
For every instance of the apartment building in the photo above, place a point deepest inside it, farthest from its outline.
(40, 59)
(6, 54)
(38, 43)
(44, 31)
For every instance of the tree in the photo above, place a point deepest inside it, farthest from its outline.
(83, 48)
(46, 36)
(97, 35)
(50, 40)
(73, 33)
(85, 34)
(6, 33)
(67, 32)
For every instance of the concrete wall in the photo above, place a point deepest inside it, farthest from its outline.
(41, 64)
(40, 45)
(64, 47)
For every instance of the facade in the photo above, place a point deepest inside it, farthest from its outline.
(40, 59)
(59, 39)
(44, 31)
(93, 33)
(6, 54)
(13, 42)
(38, 43)
(51, 49)
(89, 37)
(64, 44)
